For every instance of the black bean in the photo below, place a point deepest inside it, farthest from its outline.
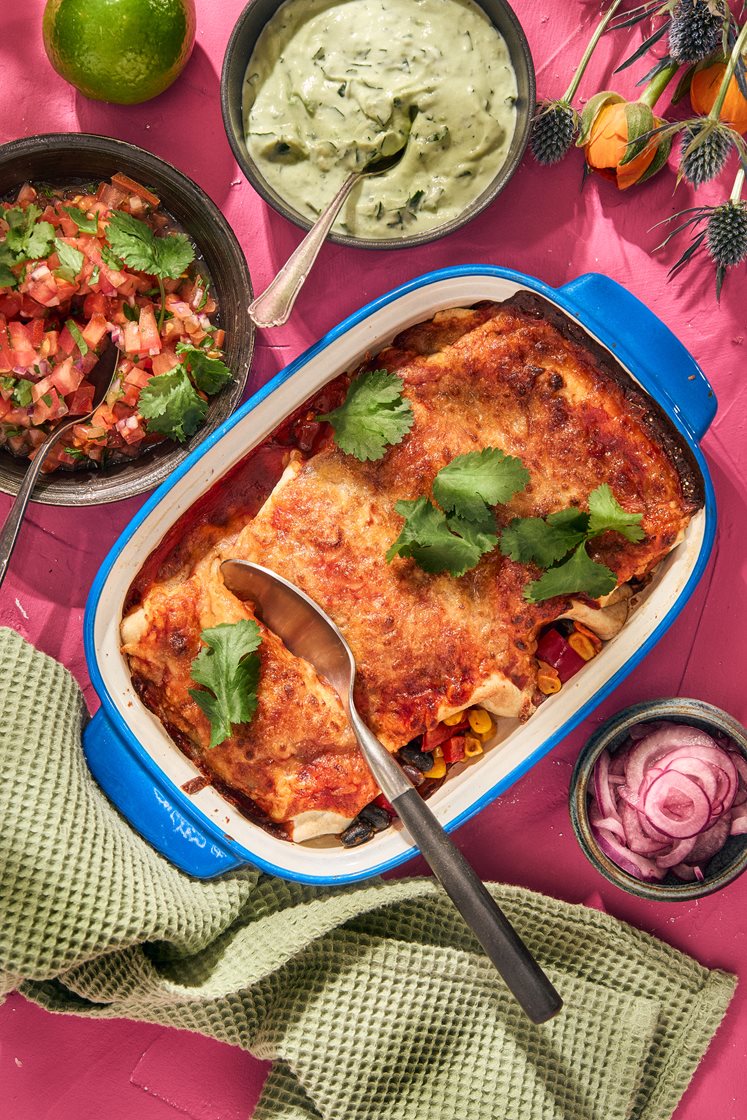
(413, 755)
(415, 775)
(376, 817)
(356, 833)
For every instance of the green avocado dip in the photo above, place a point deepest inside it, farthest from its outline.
(334, 84)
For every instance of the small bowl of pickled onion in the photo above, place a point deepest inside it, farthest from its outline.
(658, 799)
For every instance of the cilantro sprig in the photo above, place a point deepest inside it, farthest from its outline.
(135, 243)
(82, 220)
(373, 416)
(27, 239)
(208, 374)
(558, 544)
(454, 538)
(171, 405)
(228, 668)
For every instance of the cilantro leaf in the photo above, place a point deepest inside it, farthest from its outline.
(373, 416)
(577, 574)
(471, 482)
(606, 513)
(78, 338)
(26, 238)
(170, 404)
(82, 221)
(111, 260)
(229, 667)
(174, 253)
(208, 374)
(544, 541)
(137, 245)
(70, 258)
(22, 393)
(39, 241)
(438, 543)
(8, 278)
(20, 222)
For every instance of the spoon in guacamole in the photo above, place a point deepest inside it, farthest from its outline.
(273, 307)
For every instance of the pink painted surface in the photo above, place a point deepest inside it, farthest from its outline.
(60, 1068)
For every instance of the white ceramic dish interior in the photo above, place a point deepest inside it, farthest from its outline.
(514, 748)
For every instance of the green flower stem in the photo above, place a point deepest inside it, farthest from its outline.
(571, 91)
(162, 312)
(736, 190)
(728, 75)
(658, 84)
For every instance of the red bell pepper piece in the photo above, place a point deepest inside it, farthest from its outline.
(453, 749)
(555, 650)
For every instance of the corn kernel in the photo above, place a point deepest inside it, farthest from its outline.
(548, 681)
(595, 640)
(437, 770)
(582, 645)
(472, 746)
(480, 721)
(452, 721)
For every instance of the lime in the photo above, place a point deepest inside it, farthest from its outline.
(124, 51)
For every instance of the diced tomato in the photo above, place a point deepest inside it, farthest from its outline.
(130, 429)
(81, 401)
(219, 338)
(66, 342)
(42, 287)
(130, 394)
(440, 733)
(103, 417)
(10, 304)
(26, 195)
(68, 227)
(49, 407)
(110, 196)
(49, 344)
(138, 377)
(132, 342)
(95, 304)
(37, 333)
(149, 337)
(41, 387)
(95, 330)
(66, 377)
(164, 361)
(65, 290)
(453, 748)
(6, 406)
(129, 186)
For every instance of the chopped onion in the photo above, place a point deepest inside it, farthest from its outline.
(668, 800)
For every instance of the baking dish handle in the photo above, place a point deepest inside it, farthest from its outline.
(149, 806)
(644, 344)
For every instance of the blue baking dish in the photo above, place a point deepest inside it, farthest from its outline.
(138, 765)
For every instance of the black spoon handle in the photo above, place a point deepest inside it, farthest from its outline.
(479, 909)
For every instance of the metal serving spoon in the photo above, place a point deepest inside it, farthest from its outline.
(274, 306)
(101, 376)
(309, 633)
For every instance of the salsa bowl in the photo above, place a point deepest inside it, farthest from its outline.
(63, 159)
(140, 767)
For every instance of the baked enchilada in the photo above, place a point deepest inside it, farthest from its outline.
(438, 654)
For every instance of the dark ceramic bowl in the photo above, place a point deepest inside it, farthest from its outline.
(248, 28)
(65, 159)
(725, 866)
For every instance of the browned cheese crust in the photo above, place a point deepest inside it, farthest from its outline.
(496, 375)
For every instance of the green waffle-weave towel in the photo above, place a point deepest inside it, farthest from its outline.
(373, 1001)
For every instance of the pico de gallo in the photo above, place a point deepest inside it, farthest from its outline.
(81, 265)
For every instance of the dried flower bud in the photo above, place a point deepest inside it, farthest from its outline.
(726, 234)
(554, 129)
(695, 29)
(705, 150)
